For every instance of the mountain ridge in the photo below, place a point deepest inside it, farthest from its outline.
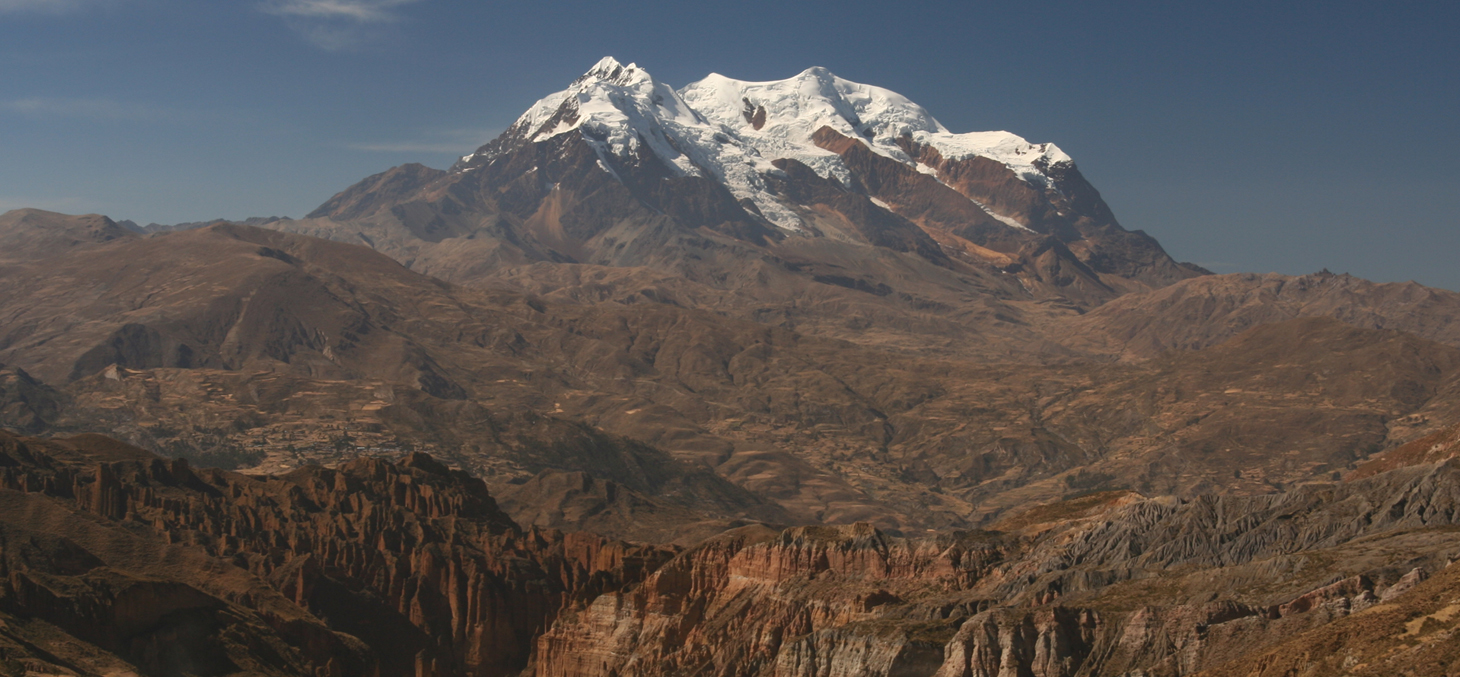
(619, 178)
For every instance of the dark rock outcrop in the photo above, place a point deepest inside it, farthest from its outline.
(380, 568)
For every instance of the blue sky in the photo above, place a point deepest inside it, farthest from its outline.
(1258, 137)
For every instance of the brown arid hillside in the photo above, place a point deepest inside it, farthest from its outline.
(1208, 310)
(1435, 448)
(244, 347)
(1412, 634)
(251, 348)
(26, 234)
(116, 561)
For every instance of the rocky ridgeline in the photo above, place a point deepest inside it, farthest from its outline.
(410, 558)
(1140, 587)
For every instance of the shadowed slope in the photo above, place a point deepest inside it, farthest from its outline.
(373, 568)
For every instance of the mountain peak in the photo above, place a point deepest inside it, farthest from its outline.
(608, 69)
(817, 72)
(607, 64)
(730, 131)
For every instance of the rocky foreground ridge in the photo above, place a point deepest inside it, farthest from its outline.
(1113, 584)
(116, 561)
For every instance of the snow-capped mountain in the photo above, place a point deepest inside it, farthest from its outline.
(730, 131)
(622, 111)
(780, 119)
(756, 196)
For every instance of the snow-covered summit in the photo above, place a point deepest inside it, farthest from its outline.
(797, 107)
(620, 109)
(729, 130)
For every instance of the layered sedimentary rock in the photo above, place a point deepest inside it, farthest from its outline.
(757, 601)
(1114, 586)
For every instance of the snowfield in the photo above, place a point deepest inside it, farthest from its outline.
(707, 129)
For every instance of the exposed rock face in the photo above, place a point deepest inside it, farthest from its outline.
(754, 601)
(1151, 587)
(1053, 642)
(119, 560)
(412, 559)
(27, 405)
(1408, 634)
(380, 190)
(1083, 251)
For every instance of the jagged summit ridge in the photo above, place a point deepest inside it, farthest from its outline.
(731, 130)
(625, 114)
(797, 107)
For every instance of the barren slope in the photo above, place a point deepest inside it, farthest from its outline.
(247, 347)
(1205, 311)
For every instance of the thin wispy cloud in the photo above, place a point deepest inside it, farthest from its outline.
(47, 6)
(55, 6)
(336, 24)
(85, 108)
(365, 11)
